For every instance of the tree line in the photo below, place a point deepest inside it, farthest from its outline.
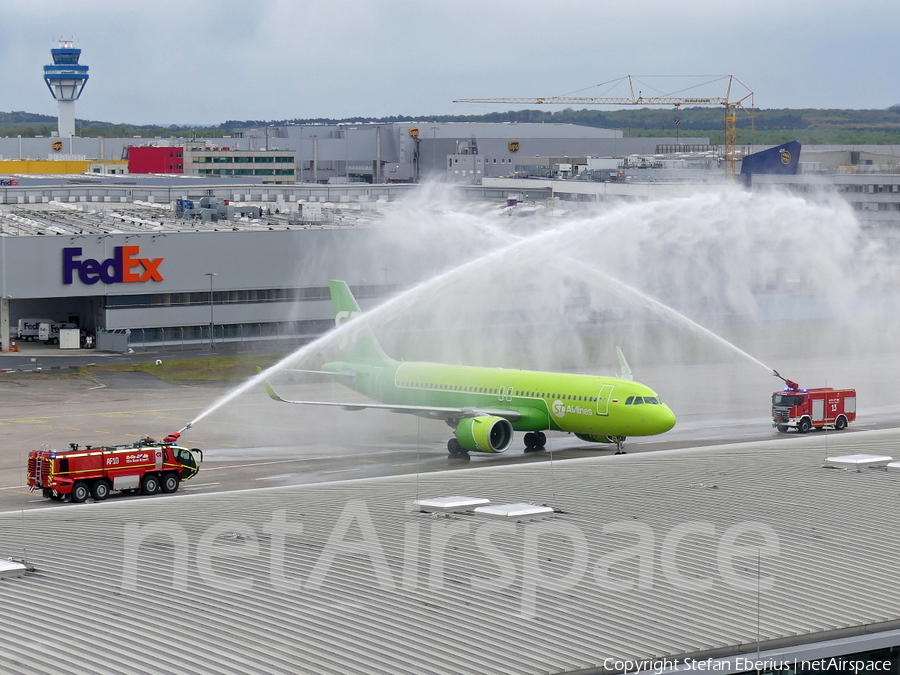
(813, 126)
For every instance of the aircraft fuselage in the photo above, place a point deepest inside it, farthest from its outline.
(582, 404)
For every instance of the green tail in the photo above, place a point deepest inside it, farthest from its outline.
(362, 345)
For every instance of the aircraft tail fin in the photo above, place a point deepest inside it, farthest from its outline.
(363, 345)
(624, 368)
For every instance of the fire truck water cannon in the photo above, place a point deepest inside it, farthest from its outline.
(793, 386)
(147, 466)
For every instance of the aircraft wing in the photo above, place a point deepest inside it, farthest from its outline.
(346, 375)
(436, 412)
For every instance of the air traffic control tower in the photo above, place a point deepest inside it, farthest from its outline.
(66, 79)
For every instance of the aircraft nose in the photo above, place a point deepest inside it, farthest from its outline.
(665, 419)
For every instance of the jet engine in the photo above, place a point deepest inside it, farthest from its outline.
(484, 434)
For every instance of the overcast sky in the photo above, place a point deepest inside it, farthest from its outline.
(207, 61)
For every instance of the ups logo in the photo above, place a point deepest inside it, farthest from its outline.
(513, 146)
(57, 145)
(414, 132)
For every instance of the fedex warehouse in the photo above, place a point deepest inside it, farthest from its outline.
(172, 288)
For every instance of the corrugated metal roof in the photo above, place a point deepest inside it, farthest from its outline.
(147, 218)
(371, 586)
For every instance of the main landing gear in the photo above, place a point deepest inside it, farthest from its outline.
(535, 441)
(456, 450)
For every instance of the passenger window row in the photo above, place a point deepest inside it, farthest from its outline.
(488, 390)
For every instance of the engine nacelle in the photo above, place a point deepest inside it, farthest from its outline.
(592, 438)
(484, 434)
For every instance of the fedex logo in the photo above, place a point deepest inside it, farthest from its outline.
(124, 267)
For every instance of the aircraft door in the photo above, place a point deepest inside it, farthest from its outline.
(603, 399)
(373, 379)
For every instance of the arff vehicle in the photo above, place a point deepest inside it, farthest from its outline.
(805, 409)
(147, 466)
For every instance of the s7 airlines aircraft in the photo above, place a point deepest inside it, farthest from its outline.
(484, 406)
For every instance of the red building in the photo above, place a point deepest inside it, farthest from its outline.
(155, 159)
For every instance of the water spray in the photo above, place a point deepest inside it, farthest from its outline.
(617, 229)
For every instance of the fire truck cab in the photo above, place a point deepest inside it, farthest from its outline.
(147, 466)
(805, 409)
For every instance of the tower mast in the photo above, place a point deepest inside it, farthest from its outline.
(66, 80)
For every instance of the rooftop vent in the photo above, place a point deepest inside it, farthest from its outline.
(515, 511)
(10, 568)
(858, 462)
(449, 504)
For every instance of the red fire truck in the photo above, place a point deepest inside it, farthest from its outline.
(805, 409)
(147, 466)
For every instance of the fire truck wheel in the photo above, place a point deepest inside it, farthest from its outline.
(170, 482)
(80, 492)
(100, 490)
(840, 423)
(782, 429)
(803, 426)
(150, 485)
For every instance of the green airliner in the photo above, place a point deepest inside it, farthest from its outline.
(485, 406)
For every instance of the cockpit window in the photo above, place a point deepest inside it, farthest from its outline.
(638, 400)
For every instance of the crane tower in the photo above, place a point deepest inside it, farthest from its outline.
(729, 104)
(66, 80)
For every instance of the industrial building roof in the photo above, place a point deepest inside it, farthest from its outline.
(141, 217)
(708, 551)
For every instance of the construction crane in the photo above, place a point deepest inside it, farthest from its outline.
(731, 107)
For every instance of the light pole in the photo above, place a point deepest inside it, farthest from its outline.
(433, 149)
(212, 325)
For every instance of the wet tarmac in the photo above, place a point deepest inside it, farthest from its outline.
(255, 442)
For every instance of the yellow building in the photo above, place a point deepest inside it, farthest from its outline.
(61, 166)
